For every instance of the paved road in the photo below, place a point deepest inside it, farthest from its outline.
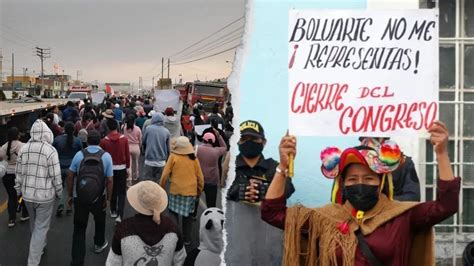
(14, 242)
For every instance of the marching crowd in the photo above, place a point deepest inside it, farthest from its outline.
(87, 158)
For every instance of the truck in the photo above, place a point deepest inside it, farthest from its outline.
(22, 113)
(207, 93)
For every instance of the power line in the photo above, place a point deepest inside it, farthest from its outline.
(223, 39)
(15, 42)
(202, 58)
(216, 46)
(15, 32)
(207, 37)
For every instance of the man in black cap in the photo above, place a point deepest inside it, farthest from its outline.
(250, 240)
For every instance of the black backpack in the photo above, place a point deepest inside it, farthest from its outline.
(90, 183)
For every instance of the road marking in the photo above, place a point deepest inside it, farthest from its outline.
(3, 207)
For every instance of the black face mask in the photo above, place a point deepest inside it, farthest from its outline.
(250, 149)
(362, 197)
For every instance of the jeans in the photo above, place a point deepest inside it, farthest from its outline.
(40, 214)
(64, 196)
(119, 190)
(152, 173)
(81, 217)
(9, 183)
(210, 190)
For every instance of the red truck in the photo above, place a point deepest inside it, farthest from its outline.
(208, 93)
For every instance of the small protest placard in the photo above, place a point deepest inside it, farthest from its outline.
(362, 72)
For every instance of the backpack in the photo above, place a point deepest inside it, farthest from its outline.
(82, 134)
(90, 183)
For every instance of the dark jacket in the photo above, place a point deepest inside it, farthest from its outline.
(264, 169)
(405, 182)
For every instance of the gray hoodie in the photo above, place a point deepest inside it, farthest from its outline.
(38, 174)
(156, 139)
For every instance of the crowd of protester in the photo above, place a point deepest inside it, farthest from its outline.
(89, 158)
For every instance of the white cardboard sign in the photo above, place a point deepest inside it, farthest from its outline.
(362, 72)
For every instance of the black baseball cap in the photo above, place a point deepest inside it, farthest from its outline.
(251, 128)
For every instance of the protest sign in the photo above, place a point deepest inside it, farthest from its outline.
(97, 97)
(362, 72)
(165, 99)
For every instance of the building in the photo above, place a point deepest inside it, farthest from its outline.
(64, 83)
(20, 82)
(49, 87)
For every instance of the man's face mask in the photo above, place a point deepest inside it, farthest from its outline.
(250, 148)
(362, 197)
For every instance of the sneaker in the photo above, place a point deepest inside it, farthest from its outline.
(100, 249)
(11, 223)
(24, 219)
(118, 220)
(113, 214)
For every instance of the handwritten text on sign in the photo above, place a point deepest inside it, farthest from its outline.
(361, 72)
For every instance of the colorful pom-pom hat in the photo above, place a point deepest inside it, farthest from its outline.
(382, 159)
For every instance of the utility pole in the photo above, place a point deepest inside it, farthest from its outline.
(43, 53)
(168, 68)
(153, 83)
(13, 71)
(1, 68)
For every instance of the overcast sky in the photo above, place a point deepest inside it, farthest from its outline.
(120, 40)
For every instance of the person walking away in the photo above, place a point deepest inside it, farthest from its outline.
(56, 112)
(148, 121)
(211, 243)
(186, 183)
(9, 153)
(117, 145)
(89, 187)
(108, 115)
(216, 116)
(209, 159)
(55, 128)
(149, 237)
(141, 117)
(38, 180)
(134, 136)
(67, 146)
(70, 113)
(118, 114)
(82, 127)
(155, 143)
(172, 123)
(229, 113)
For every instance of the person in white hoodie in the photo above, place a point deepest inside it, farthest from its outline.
(38, 180)
(211, 242)
(172, 123)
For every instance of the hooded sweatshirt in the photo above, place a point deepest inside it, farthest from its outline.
(38, 174)
(117, 145)
(210, 239)
(173, 124)
(156, 140)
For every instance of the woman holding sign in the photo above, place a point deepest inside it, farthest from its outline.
(363, 225)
